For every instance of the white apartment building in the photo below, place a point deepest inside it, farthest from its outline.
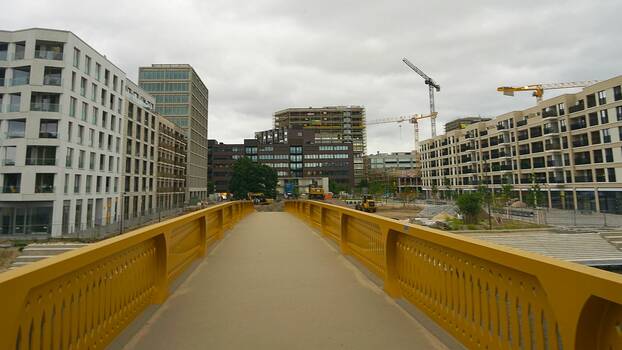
(61, 121)
(570, 145)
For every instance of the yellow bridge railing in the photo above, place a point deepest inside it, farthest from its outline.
(84, 298)
(488, 296)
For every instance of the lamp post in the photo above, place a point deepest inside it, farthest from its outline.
(122, 211)
(488, 195)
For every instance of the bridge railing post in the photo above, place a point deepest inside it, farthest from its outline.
(391, 284)
(343, 237)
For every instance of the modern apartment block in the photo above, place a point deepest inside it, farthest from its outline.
(401, 168)
(140, 153)
(462, 123)
(182, 98)
(172, 152)
(570, 145)
(293, 153)
(331, 124)
(61, 120)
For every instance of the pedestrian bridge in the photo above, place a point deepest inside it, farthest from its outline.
(317, 276)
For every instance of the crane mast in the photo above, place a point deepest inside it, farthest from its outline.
(432, 86)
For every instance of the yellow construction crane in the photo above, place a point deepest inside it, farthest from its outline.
(413, 119)
(538, 89)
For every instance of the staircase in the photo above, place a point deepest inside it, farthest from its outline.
(38, 251)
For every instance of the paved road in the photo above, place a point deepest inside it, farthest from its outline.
(273, 283)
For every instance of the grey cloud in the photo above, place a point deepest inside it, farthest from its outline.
(261, 56)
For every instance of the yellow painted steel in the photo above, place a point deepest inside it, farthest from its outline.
(84, 298)
(488, 296)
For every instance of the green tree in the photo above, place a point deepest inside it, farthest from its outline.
(210, 187)
(336, 188)
(469, 205)
(448, 192)
(507, 192)
(249, 176)
(534, 194)
(434, 191)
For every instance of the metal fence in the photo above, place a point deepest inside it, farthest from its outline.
(560, 217)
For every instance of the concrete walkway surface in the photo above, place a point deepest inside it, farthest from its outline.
(273, 283)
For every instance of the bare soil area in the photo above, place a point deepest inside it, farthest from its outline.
(7, 255)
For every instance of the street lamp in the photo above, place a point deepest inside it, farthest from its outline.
(488, 195)
(122, 211)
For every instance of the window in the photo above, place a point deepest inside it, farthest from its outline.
(89, 181)
(48, 129)
(69, 158)
(608, 155)
(83, 87)
(76, 57)
(10, 153)
(85, 111)
(44, 183)
(76, 183)
(52, 76)
(66, 185)
(611, 174)
(92, 159)
(602, 97)
(12, 183)
(72, 106)
(73, 81)
(604, 118)
(619, 113)
(93, 92)
(98, 71)
(91, 137)
(87, 65)
(81, 156)
(69, 131)
(16, 128)
(80, 134)
(606, 136)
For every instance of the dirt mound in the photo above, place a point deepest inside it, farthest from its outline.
(276, 206)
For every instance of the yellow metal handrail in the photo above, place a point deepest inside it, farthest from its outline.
(84, 298)
(488, 296)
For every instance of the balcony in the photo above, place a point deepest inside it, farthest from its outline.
(538, 165)
(582, 161)
(556, 180)
(523, 151)
(44, 107)
(577, 107)
(554, 163)
(577, 126)
(583, 179)
(550, 130)
(40, 161)
(521, 122)
(25, 80)
(579, 143)
(10, 189)
(45, 188)
(10, 108)
(550, 112)
(552, 146)
(52, 79)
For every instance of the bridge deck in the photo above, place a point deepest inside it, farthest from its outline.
(273, 283)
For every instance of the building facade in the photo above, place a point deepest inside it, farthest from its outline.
(462, 123)
(182, 97)
(398, 168)
(172, 152)
(331, 125)
(61, 127)
(139, 153)
(293, 153)
(570, 146)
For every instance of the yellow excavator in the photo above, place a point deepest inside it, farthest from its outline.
(258, 198)
(368, 204)
(316, 192)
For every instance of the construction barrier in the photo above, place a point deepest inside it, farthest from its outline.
(488, 296)
(84, 298)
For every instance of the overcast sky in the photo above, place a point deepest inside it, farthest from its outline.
(257, 57)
